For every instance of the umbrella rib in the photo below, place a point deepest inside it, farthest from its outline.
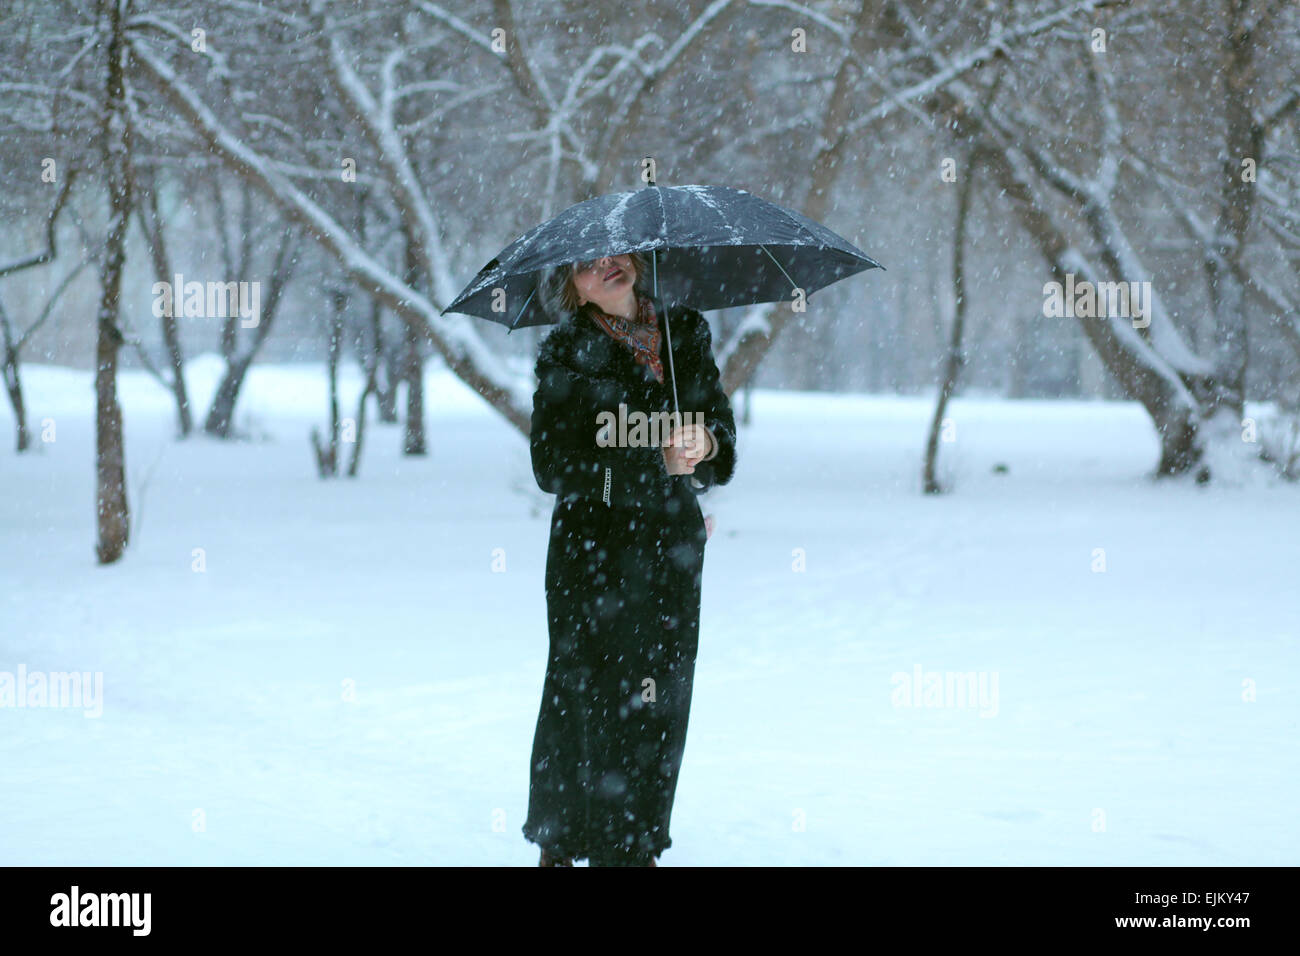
(793, 285)
(521, 308)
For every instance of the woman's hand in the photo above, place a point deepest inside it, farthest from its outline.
(685, 448)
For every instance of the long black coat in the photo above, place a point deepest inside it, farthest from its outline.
(623, 574)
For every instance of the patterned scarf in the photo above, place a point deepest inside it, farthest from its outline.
(641, 337)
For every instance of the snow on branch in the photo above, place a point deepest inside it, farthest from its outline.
(1142, 358)
(376, 118)
(1094, 198)
(973, 59)
(452, 336)
(51, 222)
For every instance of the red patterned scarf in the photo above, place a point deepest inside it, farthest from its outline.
(641, 337)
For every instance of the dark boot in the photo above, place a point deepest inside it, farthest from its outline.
(548, 860)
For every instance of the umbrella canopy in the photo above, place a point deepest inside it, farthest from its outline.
(711, 247)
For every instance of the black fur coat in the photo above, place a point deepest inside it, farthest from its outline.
(623, 577)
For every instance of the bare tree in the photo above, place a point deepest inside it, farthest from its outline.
(13, 342)
(955, 358)
(397, 90)
(1192, 400)
(327, 453)
(112, 510)
(145, 186)
(221, 414)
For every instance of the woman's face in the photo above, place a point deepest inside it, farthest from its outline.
(606, 281)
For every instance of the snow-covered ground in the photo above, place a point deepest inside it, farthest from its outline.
(353, 678)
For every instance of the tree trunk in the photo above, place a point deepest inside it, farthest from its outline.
(221, 414)
(151, 221)
(414, 443)
(370, 360)
(414, 363)
(14, 386)
(1237, 199)
(13, 382)
(952, 368)
(327, 456)
(110, 458)
(369, 390)
(386, 387)
(386, 367)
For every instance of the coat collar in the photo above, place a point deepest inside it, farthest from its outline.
(578, 343)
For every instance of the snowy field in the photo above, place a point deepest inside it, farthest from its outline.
(353, 679)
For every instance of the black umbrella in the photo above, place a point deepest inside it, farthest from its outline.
(710, 247)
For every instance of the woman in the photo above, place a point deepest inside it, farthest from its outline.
(624, 562)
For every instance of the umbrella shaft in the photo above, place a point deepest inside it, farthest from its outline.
(668, 335)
